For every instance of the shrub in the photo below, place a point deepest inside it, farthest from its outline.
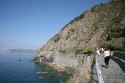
(87, 50)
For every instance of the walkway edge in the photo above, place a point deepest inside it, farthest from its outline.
(99, 73)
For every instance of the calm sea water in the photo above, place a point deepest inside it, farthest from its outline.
(19, 68)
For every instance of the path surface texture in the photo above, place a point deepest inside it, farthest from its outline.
(115, 73)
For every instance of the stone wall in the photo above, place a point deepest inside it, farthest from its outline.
(65, 61)
(62, 59)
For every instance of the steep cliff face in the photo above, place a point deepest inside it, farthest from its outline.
(74, 36)
(101, 26)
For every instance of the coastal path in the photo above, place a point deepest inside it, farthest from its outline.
(115, 73)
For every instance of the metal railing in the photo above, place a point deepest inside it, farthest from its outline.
(99, 73)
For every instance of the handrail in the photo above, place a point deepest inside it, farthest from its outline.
(99, 73)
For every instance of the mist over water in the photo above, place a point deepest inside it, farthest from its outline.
(19, 68)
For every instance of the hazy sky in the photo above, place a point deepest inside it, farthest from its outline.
(29, 24)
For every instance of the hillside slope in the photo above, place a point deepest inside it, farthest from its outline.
(101, 26)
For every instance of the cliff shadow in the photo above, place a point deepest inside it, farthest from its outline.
(103, 66)
(119, 55)
(119, 62)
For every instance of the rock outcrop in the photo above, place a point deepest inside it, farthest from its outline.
(101, 26)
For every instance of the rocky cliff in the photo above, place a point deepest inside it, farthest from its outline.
(101, 26)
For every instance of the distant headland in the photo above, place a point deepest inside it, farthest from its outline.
(20, 51)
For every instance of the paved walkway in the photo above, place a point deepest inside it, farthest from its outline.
(115, 73)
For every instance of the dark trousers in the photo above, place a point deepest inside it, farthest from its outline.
(106, 60)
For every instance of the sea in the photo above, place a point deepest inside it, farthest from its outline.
(20, 68)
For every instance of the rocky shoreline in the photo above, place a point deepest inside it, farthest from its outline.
(77, 66)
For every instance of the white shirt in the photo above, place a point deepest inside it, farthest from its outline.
(98, 52)
(106, 53)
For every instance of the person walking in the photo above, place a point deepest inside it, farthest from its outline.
(106, 55)
(97, 51)
(101, 50)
